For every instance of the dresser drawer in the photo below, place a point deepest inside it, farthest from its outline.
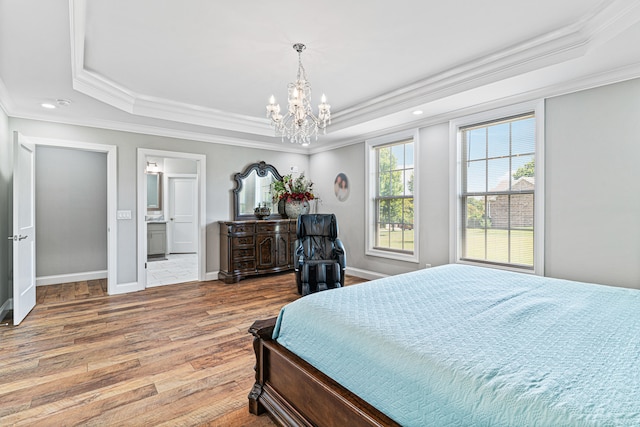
(242, 228)
(272, 227)
(244, 265)
(244, 253)
(243, 241)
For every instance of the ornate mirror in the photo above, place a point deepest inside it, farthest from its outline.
(253, 189)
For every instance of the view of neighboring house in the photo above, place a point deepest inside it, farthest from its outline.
(515, 211)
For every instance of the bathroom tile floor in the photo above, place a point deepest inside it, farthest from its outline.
(177, 268)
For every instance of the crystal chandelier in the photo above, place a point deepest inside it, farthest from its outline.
(299, 124)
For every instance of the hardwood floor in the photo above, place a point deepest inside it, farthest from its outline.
(71, 291)
(176, 355)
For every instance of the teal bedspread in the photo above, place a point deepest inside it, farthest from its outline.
(467, 346)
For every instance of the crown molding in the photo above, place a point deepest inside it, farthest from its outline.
(570, 42)
(103, 89)
(6, 102)
(595, 80)
(608, 77)
(284, 147)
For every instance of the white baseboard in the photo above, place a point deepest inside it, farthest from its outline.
(364, 274)
(123, 288)
(69, 278)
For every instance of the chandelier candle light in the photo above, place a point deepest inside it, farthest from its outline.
(299, 124)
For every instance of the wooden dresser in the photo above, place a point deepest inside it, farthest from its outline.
(249, 248)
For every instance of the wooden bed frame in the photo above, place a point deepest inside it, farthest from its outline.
(294, 393)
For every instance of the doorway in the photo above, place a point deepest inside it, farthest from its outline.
(172, 231)
(171, 217)
(22, 203)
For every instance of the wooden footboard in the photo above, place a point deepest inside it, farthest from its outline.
(294, 393)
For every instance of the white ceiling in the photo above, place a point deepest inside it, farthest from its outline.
(205, 69)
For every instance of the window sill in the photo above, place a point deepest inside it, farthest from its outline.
(393, 255)
(526, 270)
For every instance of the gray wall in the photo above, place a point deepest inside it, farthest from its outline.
(432, 197)
(180, 166)
(592, 190)
(6, 172)
(71, 211)
(593, 185)
(222, 162)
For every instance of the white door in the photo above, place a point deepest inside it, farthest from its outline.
(182, 215)
(24, 228)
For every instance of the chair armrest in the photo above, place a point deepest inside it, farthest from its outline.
(298, 256)
(340, 253)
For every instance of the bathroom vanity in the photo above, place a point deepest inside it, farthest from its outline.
(156, 239)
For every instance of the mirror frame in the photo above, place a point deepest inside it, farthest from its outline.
(262, 169)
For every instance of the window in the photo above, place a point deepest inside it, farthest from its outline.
(392, 188)
(498, 192)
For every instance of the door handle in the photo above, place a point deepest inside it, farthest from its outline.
(17, 238)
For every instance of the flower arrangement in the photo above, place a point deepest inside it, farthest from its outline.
(291, 189)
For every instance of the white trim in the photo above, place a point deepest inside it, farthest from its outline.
(364, 274)
(201, 183)
(604, 78)
(70, 278)
(572, 41)
(211, 275)
(6, 104)
(124, 288)
(104, 89)
(564, 44)
(370, 181)
(112, 194)
(455, 180)
(539, 207)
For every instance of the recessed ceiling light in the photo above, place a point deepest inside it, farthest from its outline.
(63, 102)
(417, 112)
(48, 105)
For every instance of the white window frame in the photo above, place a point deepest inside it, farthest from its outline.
(455, 182)
(371, 184)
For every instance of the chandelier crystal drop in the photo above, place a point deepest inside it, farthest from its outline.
(299, 124)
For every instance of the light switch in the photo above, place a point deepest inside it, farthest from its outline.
(123, 215)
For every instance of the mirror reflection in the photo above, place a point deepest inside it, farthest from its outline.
(256, 191)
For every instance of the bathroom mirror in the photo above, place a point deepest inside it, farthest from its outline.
(253, 189)
(154, 191)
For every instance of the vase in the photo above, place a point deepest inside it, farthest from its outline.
(295, 208)
(281, 209)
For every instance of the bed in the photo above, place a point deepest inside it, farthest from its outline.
(453, 345)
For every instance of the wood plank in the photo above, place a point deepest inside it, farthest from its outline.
(169, 355)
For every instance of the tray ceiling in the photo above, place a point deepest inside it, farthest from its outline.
(204, 70)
